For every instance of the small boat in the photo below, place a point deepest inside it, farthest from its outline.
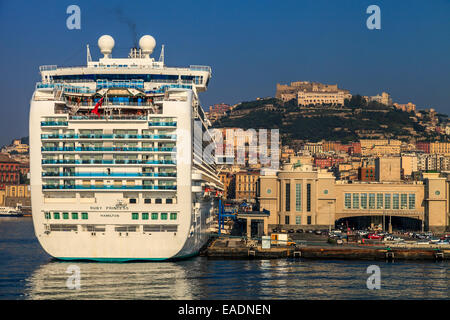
(11, 212)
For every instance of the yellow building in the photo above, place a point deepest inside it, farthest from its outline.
(408, 107)
(245, 184)
(335, 98)
(17, 194)
(440, 147)
(388, 169)
(379, 147)
(304, 197)
(312, 93)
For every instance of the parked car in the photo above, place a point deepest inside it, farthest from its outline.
(291, 231)
(374, 236)
(299, 231)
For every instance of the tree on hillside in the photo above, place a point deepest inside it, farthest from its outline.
(356, 101)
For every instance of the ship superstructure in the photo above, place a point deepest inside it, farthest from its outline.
(116, 173)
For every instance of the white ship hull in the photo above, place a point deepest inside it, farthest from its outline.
(108, 196)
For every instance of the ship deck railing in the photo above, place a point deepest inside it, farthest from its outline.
(113, 174)
(108, 136)
(115, 149)
(91, 161)
(113, 117)
(110, 104)
(106, 187)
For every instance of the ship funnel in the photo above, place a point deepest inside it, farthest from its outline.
(147, 44)
(106, 44)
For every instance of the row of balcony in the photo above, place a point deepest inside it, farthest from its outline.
(114, 161)
(108, 149)
(151, 123)
(54, 123)
(113, 117)
(105, 187)
(112, 174)
(109, 136)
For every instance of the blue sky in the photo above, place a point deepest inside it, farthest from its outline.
(251, 45)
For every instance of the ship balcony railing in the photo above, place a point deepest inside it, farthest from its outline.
(200, 68)
(54, 123)
(65, 87)
(114, 117)
(164, 80)
(113, 174)
(48, 67)
(162, 124)
(110, 103)
(109, 136)
(93, 161)
(114, 149)
(105, 187)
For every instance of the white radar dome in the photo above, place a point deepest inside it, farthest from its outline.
(106, 44)
(147, 44)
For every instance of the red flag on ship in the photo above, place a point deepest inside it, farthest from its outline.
(97, 105)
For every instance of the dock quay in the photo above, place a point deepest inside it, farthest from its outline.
(235, 248)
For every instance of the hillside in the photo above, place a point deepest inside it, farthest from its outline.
(314, 123)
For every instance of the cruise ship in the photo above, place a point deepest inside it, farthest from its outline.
(118, 168)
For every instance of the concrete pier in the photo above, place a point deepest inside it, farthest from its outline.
(240, 249)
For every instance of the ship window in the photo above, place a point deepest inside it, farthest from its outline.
(158, 201)
(173, 216)
(132, 200)
(84, 215)
(147, 200)
(168, 200)
(169, 228)
(152, 228)
(65, 215)
(63, 227)
(74, 215)
(154, 215)
(56, 215)
(163, 215)
(134, 216)
(144, 216)
(125, 228)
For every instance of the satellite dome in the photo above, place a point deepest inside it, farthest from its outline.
(106, 44)
(147, 44)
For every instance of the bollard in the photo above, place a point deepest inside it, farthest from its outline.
(439, 256)
(389, 256)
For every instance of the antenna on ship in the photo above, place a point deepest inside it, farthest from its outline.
(161, 56)
(88, 54)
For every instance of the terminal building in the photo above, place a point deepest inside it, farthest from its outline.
(303, 197)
